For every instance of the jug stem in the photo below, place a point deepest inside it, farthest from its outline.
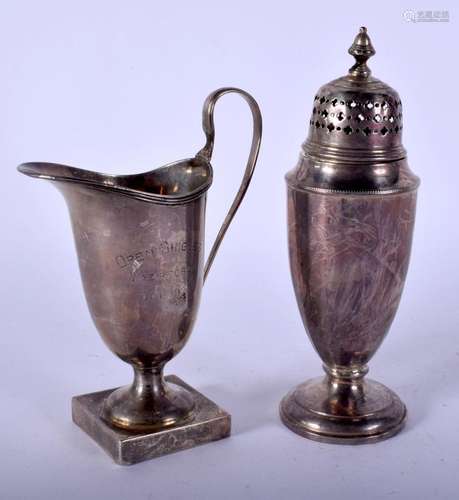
(148, 382)
(206, 153)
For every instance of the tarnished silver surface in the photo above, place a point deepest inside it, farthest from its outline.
(351, 212)
(140, 246)
(210, 423)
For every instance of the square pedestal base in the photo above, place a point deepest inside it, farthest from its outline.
(211, 423)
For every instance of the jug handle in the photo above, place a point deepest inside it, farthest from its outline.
(206, 152)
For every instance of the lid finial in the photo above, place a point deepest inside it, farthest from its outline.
(362, 49)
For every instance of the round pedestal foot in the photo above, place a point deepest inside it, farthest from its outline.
(149, 404)
(344, 412)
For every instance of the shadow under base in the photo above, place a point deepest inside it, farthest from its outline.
(210, 424)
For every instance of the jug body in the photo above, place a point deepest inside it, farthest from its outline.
(142, 270)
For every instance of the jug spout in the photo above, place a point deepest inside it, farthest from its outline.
(174, 183)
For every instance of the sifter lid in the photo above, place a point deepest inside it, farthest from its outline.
(356, 118)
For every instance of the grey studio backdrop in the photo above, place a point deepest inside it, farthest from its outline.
(118, 87)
